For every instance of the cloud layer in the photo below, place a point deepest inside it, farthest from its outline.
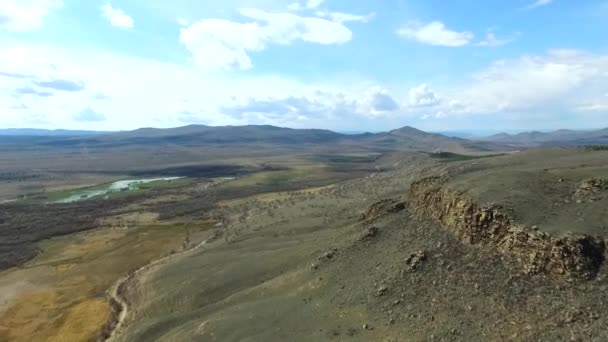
(116, 17)
(25, 15)
(209, 78)
(435, 33)
(224, 44)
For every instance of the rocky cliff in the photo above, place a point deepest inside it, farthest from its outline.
(570, 257)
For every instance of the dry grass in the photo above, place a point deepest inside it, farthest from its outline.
(275, 196)
(65, 296)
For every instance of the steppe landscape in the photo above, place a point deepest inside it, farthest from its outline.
(303, 171)
(306, 241)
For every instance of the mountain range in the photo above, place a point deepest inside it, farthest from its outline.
(201, 135)
(559, 138)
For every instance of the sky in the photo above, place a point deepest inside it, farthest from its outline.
(345, 65)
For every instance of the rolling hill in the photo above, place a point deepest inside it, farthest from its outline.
(405, 138)
(562, 137)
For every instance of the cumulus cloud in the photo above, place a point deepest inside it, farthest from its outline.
(116, 17)
(311, 4)
(278, 109)
(25, 15)
(380, 101)
(423, 96)
(557, 84)
(137, 102)
(435, 33)
(89, 115)
(318, 104)
(326, 105)
(558, 81)
(225, 44)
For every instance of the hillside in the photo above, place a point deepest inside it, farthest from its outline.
(406, 138)
(394, 257)
(562, 137)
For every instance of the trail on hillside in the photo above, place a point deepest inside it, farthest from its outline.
(117, 292)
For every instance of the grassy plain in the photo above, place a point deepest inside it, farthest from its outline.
(292, 260)
(60, 295)
(301, 266)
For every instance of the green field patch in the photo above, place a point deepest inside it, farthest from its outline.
(597, 148)
(349, 157)
(119, 189)
(450, 157)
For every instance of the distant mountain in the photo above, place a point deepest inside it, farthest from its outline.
(562, 137)
(405, 138)
(200, 134)
(46, 132)
(468, 134)
(415, 139)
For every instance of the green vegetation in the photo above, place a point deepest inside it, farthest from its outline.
(597, 148)
(350, 158)
(103, 191)
(451, 157)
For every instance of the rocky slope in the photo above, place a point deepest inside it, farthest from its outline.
(573, 257)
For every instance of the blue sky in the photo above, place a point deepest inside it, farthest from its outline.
(337, 64)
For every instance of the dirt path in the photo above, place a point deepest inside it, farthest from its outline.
(116, 292)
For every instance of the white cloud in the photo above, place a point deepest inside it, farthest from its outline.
(492, 41)
(546, 88)
(224, 44)
(312, 4)
(423, 96)
(557, 82)
(374, 102)
(308, 5)
(539, 3)
(597, 105)
(435, 33)
(116, 17)
(369, 103)
(381, 101)
(25, 15)
(145, 92)
(340, 17)
(294, 6)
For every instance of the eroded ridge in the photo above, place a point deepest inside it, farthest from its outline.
(572, 257)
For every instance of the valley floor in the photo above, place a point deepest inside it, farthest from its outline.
(349, 260)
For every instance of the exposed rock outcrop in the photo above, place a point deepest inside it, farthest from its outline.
(415, 260)
(382, 207)
(591, 187)
(569, 257)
